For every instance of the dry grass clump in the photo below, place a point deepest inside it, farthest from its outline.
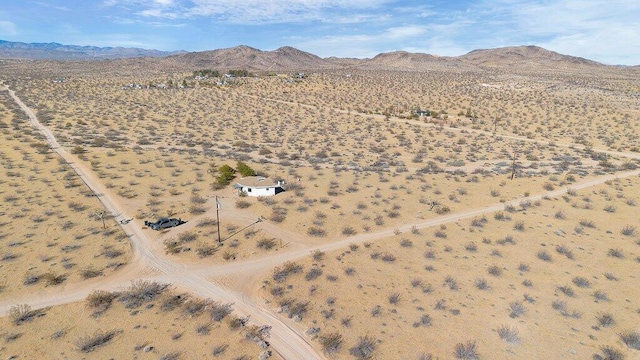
(89, 343)
(140, 292)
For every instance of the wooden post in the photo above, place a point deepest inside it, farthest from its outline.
(218, 219)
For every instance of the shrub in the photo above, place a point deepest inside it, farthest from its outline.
(508, 334)
(631, 339)
(394, 298)
(616, 253)
(219, 350)
(610, 353)
(21, 313)
(331, 343)
(316, 231)
(605, 320)
(52, 279)
(466, 351)
(494, 270)
(582, 282)
(563, 250)
(171, 301)
(517, 309)
(364, 348)
(543, 255)
(141, 291)
(628, 230)
(89, 343)
(313, 273)
(242, 204)
(100, 300)
(348, 230)
(266, 244)
(481, 284)
(600, 296)
(219, 311)
(567, 290)
(195, 307)
(317, 255)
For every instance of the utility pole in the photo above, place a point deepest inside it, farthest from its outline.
(218, 218)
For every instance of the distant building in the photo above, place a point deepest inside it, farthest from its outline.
(258, 186)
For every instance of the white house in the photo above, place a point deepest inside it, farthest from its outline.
(258, 186)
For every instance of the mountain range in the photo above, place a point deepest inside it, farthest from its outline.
(289, 58)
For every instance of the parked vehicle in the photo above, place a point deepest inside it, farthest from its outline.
(164, 223)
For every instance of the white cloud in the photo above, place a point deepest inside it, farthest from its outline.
(7, 28)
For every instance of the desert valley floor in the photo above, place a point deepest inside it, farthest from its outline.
(446, 212)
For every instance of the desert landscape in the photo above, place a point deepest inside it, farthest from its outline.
(474, 207)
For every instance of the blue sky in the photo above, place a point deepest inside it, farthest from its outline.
(607, 31)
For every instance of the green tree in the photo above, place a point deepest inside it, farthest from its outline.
(227, 173)
(244, 169)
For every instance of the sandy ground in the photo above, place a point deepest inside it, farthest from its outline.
(389, 204)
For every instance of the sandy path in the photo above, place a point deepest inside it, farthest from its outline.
(235, 282)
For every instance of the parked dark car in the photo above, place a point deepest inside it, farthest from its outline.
(164, 223)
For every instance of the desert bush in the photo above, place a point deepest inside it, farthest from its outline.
(219, 350)
(364, 348)
(494, 270)
(348, 230)
(600, 296)
(141, 291)
(89, 343)
(52, 279)
(425, 320)
(582, 282)
(630, 338)
(313, 273)
(567, 290)
(90, 273)
(609, 353)
(616, 253)
(628, 230)
(100, 301)
(280, 273)
(605, 320)
(543, 255)
(394, 298)
(317, 255)
(170, 301)
(517, 309)
(482, 284)
(266, 243)
(588, 223)
(563, 250)
(195, 307)
(508, 334)
(466, 351)
(451, 283)
(219, 311)
(242, 204)
(204, 250)
(331, 343)
(21, 313)
(316, 231)
(524, 267)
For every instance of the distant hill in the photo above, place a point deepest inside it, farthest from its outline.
(248, 58)
(523, 55)
(290, 59)
(55, 51)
